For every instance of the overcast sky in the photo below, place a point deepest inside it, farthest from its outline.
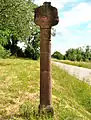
(74, 28)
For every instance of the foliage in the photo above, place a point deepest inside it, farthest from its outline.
(32, 50)
(16, 24)
(4, 36)
(78, 54)
(32, 53)
(87, 53)
(19, 89)
(4, 53)
(58, 55)
(17, 16)
(13, 47)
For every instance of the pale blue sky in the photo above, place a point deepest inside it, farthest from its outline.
(74, 28)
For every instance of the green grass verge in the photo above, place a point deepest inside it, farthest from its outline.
(19, 93)
(75, 63)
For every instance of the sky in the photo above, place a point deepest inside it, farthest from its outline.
(74, 27)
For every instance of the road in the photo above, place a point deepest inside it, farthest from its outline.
(83, 74)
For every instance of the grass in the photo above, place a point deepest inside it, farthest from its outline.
(19, 92)
(75, 63)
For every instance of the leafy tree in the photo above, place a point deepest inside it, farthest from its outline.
(16, 24)
(87, 53)
(33, 50)
(4, 36)
(12, 45)
(79, 54)
(17, 16)
(4, 53)
(58, 55)
(70, 54)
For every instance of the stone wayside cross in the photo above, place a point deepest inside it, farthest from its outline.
(46, 16)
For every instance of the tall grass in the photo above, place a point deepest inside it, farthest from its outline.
(19, 93)
(75, 63)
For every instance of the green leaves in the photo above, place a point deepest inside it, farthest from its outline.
(17, 16)
(4, 53)
(58, 55)
(4, 36)
(79, 54)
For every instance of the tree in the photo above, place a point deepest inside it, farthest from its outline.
(4, 36)
(17, 16)
(16, 24)
(70, 54)
(79, 54)
(33, 50)
(4, 53)
(74, 54)
(87, 53)
(57, 55)
(12, 45)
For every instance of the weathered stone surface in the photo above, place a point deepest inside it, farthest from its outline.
(46, 15)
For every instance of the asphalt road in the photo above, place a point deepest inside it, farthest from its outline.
(83, 74)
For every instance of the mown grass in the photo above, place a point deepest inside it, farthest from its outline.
(19, 93)
(75, 63)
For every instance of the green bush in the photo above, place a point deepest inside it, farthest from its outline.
(57, 55)
(4, 53)
(32, 53)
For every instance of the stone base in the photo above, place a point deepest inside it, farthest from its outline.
(46, 110)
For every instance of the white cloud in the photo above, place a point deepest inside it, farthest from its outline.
(80, 13)
(89, 26)
(56, 3)
(89, 31)
(60, 29)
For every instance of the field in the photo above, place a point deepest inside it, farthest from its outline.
(75, 63)
(19, 92)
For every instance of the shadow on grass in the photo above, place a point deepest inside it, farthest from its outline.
(4, 64)
(10, 117)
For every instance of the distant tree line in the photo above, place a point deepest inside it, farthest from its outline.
(78, 54)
